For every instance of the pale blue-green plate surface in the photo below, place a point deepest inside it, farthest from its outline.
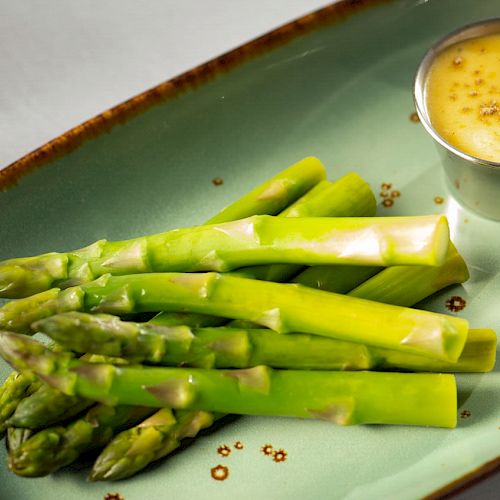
(343, 93)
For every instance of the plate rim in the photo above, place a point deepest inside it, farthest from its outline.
(189, 80)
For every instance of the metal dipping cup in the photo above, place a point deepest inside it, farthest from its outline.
(473, 181)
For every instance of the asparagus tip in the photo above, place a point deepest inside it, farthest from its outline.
(9, 277)
(18, 350)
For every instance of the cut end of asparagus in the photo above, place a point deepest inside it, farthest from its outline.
(479, 354)
(426, 238)
(441, 242)
(454, 270)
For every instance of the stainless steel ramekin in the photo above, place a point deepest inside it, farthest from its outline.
(473, 181)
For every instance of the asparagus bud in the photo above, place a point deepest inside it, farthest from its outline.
(133, 449)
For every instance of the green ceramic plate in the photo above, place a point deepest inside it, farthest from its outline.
(337, 85)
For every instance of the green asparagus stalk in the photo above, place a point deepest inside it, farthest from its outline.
(245, 348)
(266, 239)
(275, 194)
(399, 285)
(133, 449)
(402, 285)
(256, 240)
(342, 397)
(348, 196)
(50, 449)
(23, 277)
(194, 320)
(337, 279)
(281, 307)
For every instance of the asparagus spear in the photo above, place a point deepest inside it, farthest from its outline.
(342, 397)
(133, 449)
(348, 196)
(277, 193)
(244, 348)
(281, 307)
(255, 240)
(26, 276)
(53, 448)
(478, 355)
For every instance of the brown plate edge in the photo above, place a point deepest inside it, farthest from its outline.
(169, 89)
(189, 80)
(465, 482)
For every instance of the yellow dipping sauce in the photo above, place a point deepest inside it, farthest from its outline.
(463, 96)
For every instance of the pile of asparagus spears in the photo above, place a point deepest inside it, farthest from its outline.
(293, 301)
